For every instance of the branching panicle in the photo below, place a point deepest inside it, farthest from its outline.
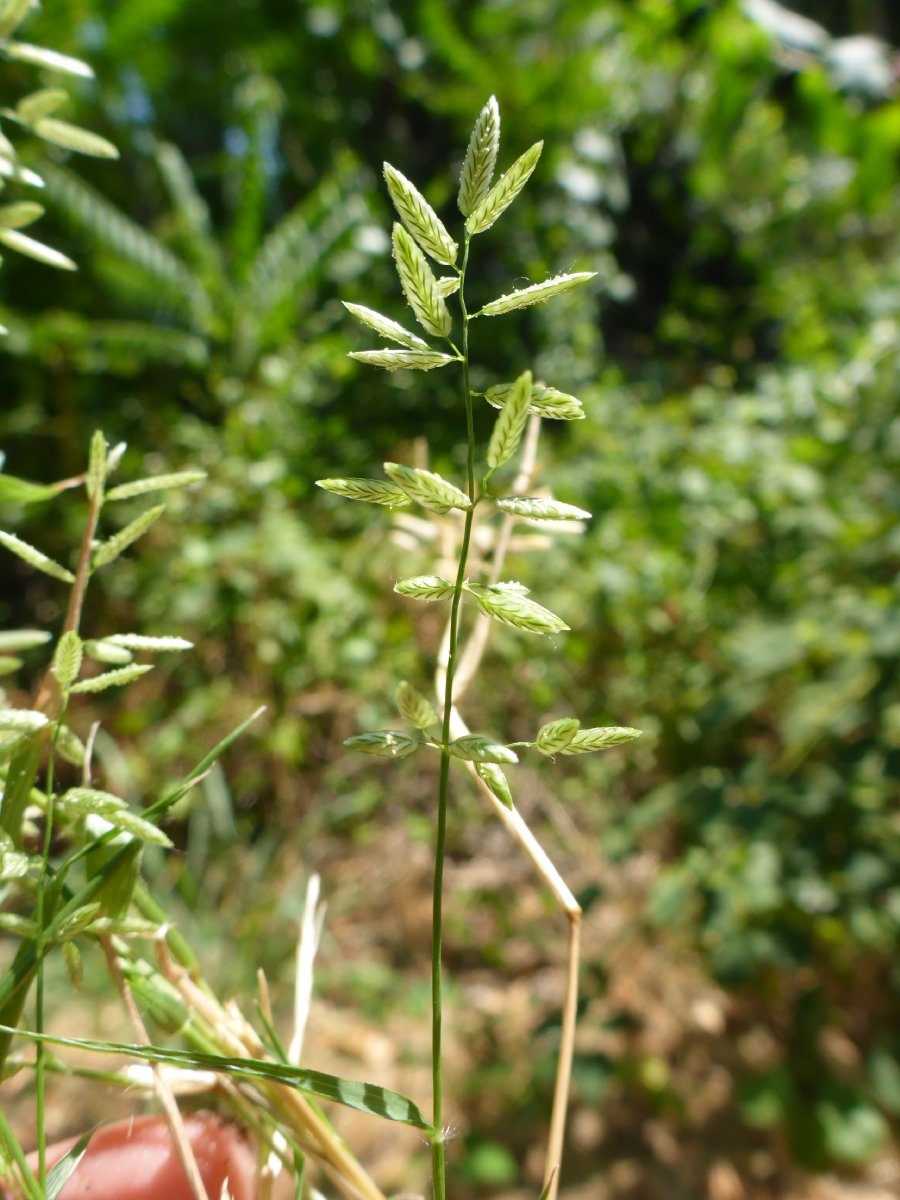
(486, 600)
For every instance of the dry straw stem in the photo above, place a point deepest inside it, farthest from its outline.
(419, 285)
(183, 1149)
(236, 1037)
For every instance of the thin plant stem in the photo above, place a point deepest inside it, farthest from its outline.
(438, 1153)
(51, 699)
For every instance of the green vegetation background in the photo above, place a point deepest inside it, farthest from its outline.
(735, 596)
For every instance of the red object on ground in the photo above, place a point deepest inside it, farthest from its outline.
(135, 1160)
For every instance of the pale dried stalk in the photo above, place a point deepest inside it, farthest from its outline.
(180, 1141)
(237, 1037)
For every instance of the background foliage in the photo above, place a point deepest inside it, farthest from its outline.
(736, 187)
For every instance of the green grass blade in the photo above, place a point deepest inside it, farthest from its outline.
(364, 1097)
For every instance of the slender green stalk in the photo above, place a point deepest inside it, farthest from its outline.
(40, 1074)
(438, 1153)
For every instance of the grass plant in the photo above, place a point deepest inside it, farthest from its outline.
(71, 853)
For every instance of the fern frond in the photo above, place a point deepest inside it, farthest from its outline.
(125, 238)
(292, 250)
(192, 215)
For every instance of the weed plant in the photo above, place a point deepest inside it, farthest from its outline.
(70, 856)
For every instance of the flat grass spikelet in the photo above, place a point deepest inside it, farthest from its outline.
(419, 284)
(420, 218)
(481, 158)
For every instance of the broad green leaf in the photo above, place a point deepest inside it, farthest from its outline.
(40, 56)
(34, 558)
(99, 683)
(40, 104)
(510, 425)
(514, 609)
(553, 737)
(9, 665)
(586, 740)
(419, 284)
(73, 137)
(16, 216)
(504, 191)
(419, 217)
(545, 401)
(494, 779)
(384, 326)
(37, 250)
(396, 360)
(384, 743)
(538, 293)
(156, 483)
(540, 508)
(371, 491)
(428, 488)
(414, 707)
(424, 587)
(109, 550)
(365, 1097)
(475, 748)
(481, 159)
(67, 659)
